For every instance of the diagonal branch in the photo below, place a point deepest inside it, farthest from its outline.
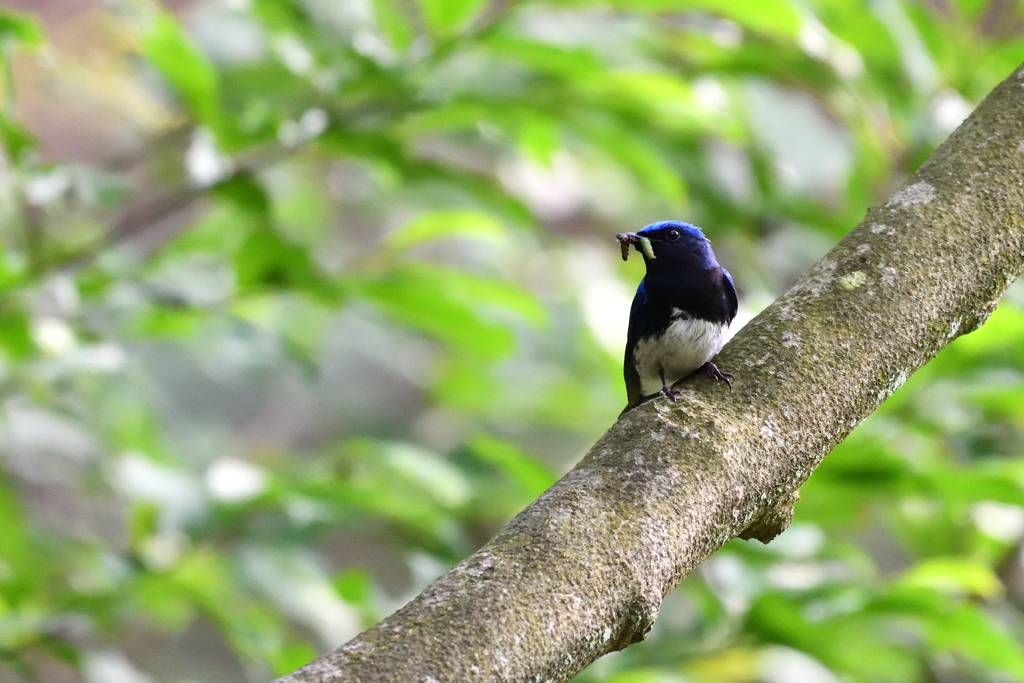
(582, 570)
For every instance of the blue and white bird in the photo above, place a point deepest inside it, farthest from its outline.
(680, 313)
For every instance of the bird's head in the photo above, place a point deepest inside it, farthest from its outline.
(669, 243)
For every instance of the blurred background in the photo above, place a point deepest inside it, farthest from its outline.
(303, 299)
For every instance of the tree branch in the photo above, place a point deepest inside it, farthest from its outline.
(582, 570)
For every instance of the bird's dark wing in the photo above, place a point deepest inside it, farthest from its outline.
(730, 294)
(634, 395)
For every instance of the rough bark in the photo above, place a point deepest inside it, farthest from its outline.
(583, 569)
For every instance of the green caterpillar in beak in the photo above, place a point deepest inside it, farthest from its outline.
(642, 244)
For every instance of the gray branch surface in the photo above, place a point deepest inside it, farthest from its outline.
(583, 569)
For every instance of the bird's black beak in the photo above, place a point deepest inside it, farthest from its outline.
(642, 244)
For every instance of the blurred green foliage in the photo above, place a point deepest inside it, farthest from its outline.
(352, 300)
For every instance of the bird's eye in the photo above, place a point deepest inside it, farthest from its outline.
(672, 235)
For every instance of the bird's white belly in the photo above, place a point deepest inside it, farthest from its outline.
(685, 345)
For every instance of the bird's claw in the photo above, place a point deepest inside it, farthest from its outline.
(670, 393)
(714, 373)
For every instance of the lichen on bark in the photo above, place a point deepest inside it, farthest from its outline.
(583, 569)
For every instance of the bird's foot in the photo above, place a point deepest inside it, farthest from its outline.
(714, 373)
(669, 393)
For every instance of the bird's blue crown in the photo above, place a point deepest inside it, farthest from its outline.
(691, 230)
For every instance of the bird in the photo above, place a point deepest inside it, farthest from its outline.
(680, 313)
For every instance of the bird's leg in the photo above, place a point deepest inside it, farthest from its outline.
(714, 373)
(666, 390)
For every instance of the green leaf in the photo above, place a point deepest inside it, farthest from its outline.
(646, 675)
(160, 321)
(447, 17)
(446, 483)
(245, 194)
(532, 477)
(11, 276)
(16, 139)
(1002, 331)
(266, 261)
(143, 522)
(15, 335)
(409, 300)
(219, 233)
(666, 98)
(20, 27)
(185, 68)
(859, 26)
(539, 139)
(954, 575)
(402, 483)
(440, 224)
(555, 60)
(848, 644)
(451, 305)
(776, 17)
(971, 632)
(644, 160)
(16, 540)
(972, 8)
(394, 21)
(466, 383)
(355, 586)
(163, 602)
(465, 114)
(481, 293)
(285, 16)
(293, 655)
